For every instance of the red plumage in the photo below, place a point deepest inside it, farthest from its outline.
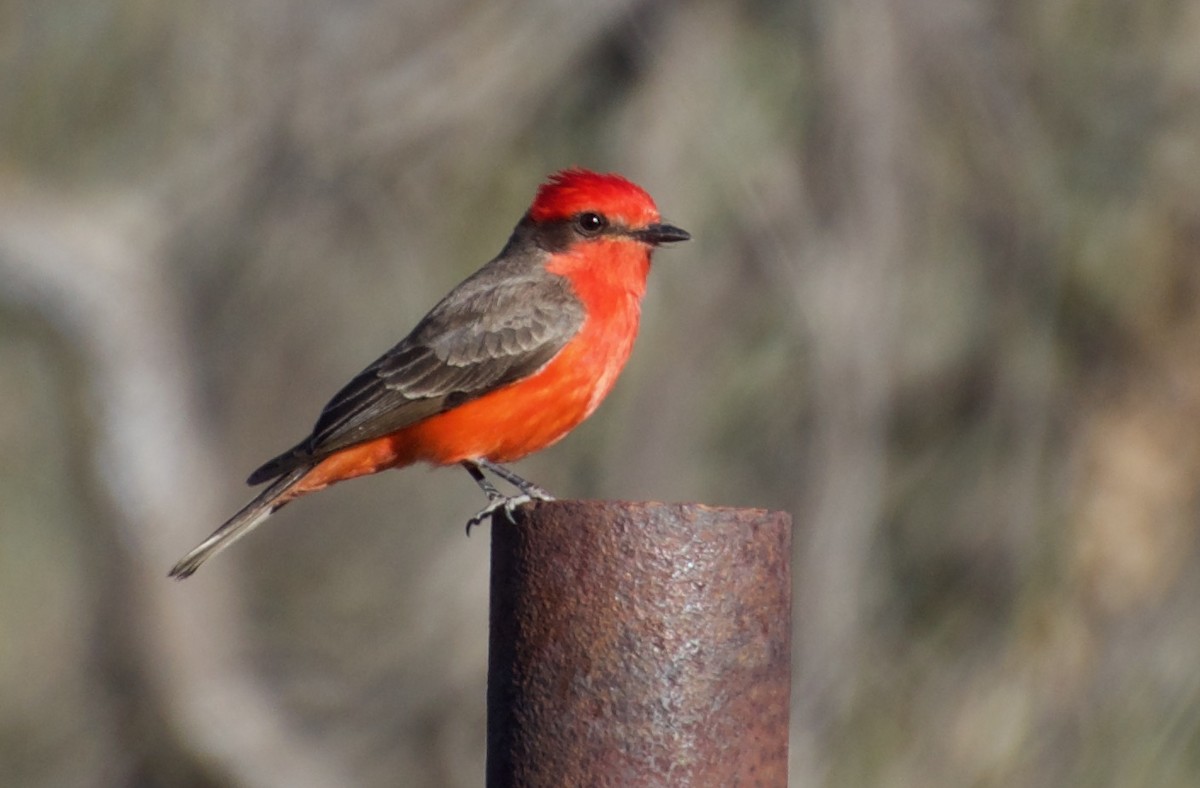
(506, 364)
(575, 190)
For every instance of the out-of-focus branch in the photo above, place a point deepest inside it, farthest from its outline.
(98, 279)
(850, 298)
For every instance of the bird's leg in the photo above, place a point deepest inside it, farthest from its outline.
(525, 486)
(496, 499)
(488, 488)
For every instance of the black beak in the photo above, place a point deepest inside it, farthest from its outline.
(656, 234)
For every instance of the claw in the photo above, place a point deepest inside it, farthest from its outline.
(508, 505)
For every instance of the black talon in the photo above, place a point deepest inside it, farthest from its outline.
(507, 505)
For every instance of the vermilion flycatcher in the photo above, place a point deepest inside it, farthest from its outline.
(508, 363)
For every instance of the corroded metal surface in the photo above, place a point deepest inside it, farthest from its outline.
(639, 644)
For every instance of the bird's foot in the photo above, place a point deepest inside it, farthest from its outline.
(496, 499)
(504, 504)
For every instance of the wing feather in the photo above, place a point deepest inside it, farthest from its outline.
(493, 329)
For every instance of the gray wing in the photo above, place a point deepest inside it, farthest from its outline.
(495, 328)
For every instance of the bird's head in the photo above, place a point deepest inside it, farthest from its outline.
(595, 205)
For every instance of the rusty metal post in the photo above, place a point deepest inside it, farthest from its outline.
(639, 644)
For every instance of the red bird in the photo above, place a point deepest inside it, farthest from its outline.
(508, 363)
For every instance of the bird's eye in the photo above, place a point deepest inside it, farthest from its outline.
(590, 223)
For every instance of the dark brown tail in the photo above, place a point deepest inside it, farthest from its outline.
(263, 506)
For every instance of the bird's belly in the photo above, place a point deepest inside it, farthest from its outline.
(533, 413)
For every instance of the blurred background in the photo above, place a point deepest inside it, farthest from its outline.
(940, 305)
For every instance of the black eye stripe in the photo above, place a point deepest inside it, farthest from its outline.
(556, 235)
